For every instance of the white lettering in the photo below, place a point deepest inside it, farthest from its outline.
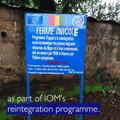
(45, 30)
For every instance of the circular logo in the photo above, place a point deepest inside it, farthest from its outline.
(78, 21)
(35, 20)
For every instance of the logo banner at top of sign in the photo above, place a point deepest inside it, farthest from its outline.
(55, 43)
(55, 20)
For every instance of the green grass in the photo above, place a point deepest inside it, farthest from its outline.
(77, 117)
(76, 90)
(3, 115)
(98, 88)
(72, 93)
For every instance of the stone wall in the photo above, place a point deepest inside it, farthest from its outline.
(12, 44)
(102, 50)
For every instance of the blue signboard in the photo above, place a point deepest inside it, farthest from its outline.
(55, 43)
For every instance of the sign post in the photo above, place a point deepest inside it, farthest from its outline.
(28, 91)
(55, 44)
(81, 90)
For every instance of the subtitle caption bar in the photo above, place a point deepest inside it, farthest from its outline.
(53, 109)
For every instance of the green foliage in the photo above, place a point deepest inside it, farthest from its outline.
(93, 8)
(113, 11)
(76, 90)
(100, 10)
(16, 3)
(59, 9)
(77, 117)
(22, 3)
(68, 6)
(3, 115)
(60, 90)
(97, 88)
(72, 93)
(55, 90)
(43, 93)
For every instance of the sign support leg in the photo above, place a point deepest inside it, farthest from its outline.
(81, 90)
(28, 93)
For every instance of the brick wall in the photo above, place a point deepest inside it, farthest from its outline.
(12, 44)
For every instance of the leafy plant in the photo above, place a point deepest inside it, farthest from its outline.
(74, 92)
(43, 93)
(3, 115)
(77, 117)
(60, 90)
(98, 88)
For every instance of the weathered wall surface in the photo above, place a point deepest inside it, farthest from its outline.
(102, 51)
(11, 44)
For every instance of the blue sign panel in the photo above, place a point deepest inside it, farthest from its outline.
(55, 43)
